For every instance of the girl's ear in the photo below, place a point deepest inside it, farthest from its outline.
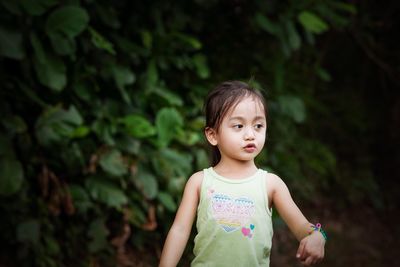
(211, 136)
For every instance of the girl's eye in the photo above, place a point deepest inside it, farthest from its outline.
(237, 126)
(259, 126)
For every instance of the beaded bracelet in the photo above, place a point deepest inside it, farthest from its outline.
(318, 228)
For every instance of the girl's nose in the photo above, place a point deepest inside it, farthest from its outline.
(249, 134)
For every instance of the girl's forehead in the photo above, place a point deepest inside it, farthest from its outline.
(247, 106)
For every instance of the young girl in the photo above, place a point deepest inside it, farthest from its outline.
(233, 199)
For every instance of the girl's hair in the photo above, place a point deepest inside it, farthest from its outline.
(222, 99)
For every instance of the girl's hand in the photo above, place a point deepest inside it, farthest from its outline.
(311, 249)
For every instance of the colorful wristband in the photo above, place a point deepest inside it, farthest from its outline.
(318, 228)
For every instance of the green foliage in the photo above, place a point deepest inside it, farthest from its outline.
(138, 126)
(11, 170)
(11, 44)
(57, 124)
(98, 235)
(101, 106)
(312, 22)
(112, 163)
(11, 175)
(168, 122)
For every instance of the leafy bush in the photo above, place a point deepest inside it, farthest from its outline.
(101, 106)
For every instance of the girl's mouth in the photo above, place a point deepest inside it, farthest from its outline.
(250, 148)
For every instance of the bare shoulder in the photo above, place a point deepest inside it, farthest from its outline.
(276, 188)
(274, 182)
(195, 180)
(197, 177)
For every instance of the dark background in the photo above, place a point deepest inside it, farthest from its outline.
(101, 106)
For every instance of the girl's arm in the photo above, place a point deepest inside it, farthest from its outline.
(180, 230)
(311, 248)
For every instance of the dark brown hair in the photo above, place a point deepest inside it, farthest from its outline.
(220, 100)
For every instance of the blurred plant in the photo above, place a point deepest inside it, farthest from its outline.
(101, 106)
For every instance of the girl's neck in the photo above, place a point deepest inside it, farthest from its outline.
(235, 169)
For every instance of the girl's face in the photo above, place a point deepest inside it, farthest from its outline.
(241, 135)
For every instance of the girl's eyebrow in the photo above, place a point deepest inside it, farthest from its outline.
(242, 118)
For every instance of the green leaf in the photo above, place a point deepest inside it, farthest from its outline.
(83, 91)
(312, 22)
(71, 116)
(11, 44)
(138, 126)
(167, 201)
(147, 39)
(170, 163)
(129, 145)
(105, 192)
(63, 45)
(168, 121)
(324, 75)
(123, 76)
(266, 24)
(182, 162)
(152, 74)
(170, 97)
(50, 70)
(188, 138)
(80, 198)
(29, 232)
(11, 176)
(286, 49)
(129, 47)
(192, 41)
(293, 36)
(200, 62)
(57, 124)
(112, 163)
(38, 48)
(293, 107)
(104, 130)
(101, 42)
(37, 7)
(80, 132)
(146, 183)
(51, 74)
(69, 21)
(98, 233)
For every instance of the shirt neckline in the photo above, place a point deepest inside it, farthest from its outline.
(233, 181)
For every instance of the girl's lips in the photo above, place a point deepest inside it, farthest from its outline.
(250, 148)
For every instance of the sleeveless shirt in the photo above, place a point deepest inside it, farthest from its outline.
(234, 224)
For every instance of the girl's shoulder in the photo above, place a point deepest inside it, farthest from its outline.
(274, 182)
(197, 176)
(195, 180)
(272, 177)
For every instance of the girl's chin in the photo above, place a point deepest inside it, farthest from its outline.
(243, 157)
(246, 159)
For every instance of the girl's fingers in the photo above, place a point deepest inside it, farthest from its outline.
(300, 251)
(309, 261)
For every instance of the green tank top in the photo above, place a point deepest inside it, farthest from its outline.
(234, 224)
